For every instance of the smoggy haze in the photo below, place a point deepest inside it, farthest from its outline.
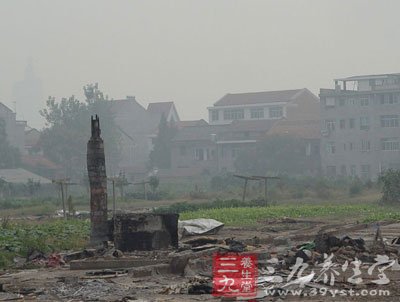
(192, 52)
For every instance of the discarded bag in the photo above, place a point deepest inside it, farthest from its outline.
(200, 226)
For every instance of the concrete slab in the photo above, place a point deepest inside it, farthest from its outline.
(111, 264)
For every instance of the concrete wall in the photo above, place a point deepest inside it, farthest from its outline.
(184, 161)
(15, 130)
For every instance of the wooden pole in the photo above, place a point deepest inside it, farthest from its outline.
(114, 204)
(244, 190)
(265, 192)
(63, 199)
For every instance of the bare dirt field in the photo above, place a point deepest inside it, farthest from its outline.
(171, 275)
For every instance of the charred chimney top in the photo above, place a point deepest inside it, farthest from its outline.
(96, 126)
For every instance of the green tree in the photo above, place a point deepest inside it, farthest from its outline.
(276, 154)
(67, 130)
(9, 155)
(160, 156)
(390, 180)
(154, 182)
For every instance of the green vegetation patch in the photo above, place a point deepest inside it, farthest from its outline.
(246, 216)
(53, 236)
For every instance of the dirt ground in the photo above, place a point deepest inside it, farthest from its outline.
(157, 283)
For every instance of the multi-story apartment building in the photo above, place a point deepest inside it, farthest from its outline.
(360, 126)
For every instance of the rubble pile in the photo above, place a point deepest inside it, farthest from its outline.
(88, 290)
(184, 271)
(343, 249)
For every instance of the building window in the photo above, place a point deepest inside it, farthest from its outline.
(365, 145)
(364, 101)
(341, 102)
(364, 123)
(330, 147)
(257, 113)
(276, 112)
(316, 150)
(199, 154)
(212, 153)
(352, 123)
(388, 98)
(365, 171)
(331, 171)
(390, 144)
(214, 115)
(381, 98)
(330, 102)
(342, 124)
(308, 149)
(389, 121)
(351, 101)
(330, 125)
(351, 146)
(353, 170)
(344, 146)
(182, 150)
(233, 114)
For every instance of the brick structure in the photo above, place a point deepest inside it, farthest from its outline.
(98, 185)
(144, 231)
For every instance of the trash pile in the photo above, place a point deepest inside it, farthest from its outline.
(303, 266)
(344, 249)
(37, 258)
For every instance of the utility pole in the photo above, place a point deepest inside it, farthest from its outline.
(113, 181)
(63, 184)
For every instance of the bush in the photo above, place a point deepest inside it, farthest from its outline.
(154, 181)
(356, 187)
(322, 189)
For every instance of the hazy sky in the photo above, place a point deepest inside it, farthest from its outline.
(193, 52)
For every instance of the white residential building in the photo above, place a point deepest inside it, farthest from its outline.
(267, 105)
